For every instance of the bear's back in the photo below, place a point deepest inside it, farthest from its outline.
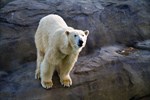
(52, 22)
(47, 28)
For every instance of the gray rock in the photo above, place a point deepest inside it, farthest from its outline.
(143, 45)
(109, 22)
(3, 74)
(94, 78)
(102, 75)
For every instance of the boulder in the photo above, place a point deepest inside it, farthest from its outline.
(145, 45)
(103, 75)
(103, 72)
(109, 22)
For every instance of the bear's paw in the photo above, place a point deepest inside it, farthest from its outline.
(66, 82)
(47, 84)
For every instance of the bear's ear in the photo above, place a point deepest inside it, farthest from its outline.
(67, 32)
(86, 32)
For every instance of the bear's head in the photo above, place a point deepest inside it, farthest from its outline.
(77, 38)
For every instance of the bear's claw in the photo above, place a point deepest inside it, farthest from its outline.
(66, 82)
(47, 84)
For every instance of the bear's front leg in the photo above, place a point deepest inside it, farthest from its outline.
(46, 74)
(65, 69)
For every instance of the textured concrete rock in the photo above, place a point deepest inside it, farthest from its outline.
(104, 75)
(143, 45)
(109, 22)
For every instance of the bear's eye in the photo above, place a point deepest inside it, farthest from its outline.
(75, 35)
(83, 35)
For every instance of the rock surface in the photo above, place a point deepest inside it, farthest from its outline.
(109, 73)
(109, 22)
(143, 45)
(104, 75)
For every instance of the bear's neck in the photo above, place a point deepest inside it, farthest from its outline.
(68, 49)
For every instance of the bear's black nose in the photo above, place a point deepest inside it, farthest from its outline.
(80, 43)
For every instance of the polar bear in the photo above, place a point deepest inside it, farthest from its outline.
(58, 47)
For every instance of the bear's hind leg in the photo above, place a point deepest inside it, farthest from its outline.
(40, 57)
(46, 74)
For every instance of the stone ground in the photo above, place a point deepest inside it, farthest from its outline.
(114, 65)
(103, 75)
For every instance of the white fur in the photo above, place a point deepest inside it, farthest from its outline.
(57, 49)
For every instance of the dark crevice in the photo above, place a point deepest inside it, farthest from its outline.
(123, 6)
(129, 76)
(136, 97)
(133, 98)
